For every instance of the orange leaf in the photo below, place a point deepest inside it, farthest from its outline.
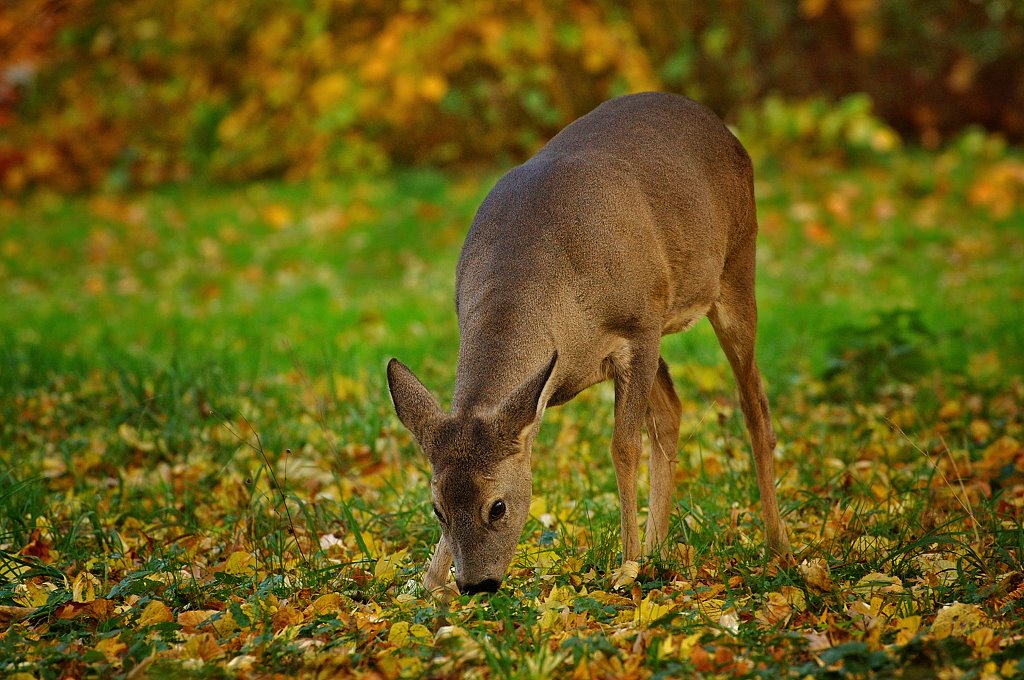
(190, 620)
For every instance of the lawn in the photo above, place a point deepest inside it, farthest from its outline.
(201, 474)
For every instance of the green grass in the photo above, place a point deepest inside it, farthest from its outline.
(193, 412)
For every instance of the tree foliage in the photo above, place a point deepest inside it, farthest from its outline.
(98, 92)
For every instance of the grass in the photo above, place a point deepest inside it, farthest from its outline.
(200, 472)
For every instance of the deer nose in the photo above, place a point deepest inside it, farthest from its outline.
(488, 585)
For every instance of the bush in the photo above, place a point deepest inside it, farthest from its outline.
(128, 92)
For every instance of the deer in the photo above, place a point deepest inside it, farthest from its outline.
(632, 223)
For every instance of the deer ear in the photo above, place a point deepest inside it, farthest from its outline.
(524, 407)
(415, 406)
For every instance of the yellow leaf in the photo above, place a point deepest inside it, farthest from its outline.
(155, 612)
(224, 623)
(795, 597)
(278, 216)
(906, 629)
(626, 574)
(84, 587)
(979, 430)
(329, 90)
(950, 410)
(33, 595)
(387, 565)
(711, 608)
(331, 602)
(130, 436)
(877, 582)
(111, 648)
(399, 633)
(549, 618)
(650, 611)
(538, 507)
(419, 631)
(611, 598)
(240, 563)
(433, 87)
(816, 575)
(957, 620)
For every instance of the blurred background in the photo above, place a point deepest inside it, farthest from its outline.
(128, 93)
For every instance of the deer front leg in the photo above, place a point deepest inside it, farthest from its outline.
(633, 382)
(439, 569)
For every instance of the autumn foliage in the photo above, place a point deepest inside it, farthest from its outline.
(99, 93)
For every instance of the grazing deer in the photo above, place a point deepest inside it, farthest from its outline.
(632, 223)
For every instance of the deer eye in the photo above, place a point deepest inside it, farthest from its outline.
(437, 513)
(497, 511)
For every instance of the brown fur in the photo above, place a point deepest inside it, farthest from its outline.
(632, 223)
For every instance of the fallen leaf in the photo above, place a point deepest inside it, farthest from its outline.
(191, 619)
(112, 648)
(154, 613)
(286, 616)
(31, 594)
(203, 646)
(83, 589)
(815, 573)
(387, 566)
(776, 610)
(957, 620)
(906, 628)
(240, 563)
(10, 614)
(795, 597)
(130, 436)
(877, 582)
(626, 574)
(730, 621)
(325, 604)
(650, 610)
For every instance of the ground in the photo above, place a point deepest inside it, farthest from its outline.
(201, 474)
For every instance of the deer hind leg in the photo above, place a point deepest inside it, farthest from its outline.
(734, 318)
(634, 376)
(663, 415)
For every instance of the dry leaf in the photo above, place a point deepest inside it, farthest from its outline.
(877, 582)
(130, 436)
(203, 646)
(387, 566)
(10, 614)
(776, 611)
(240, 563)
(155, 612)
(193, 618)
(650, 610)
(84, 587)
(331, 602)
(626, 574)
(816, 575)
(286, 616)
(30, 594)
(957, 620)
(112, 648)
